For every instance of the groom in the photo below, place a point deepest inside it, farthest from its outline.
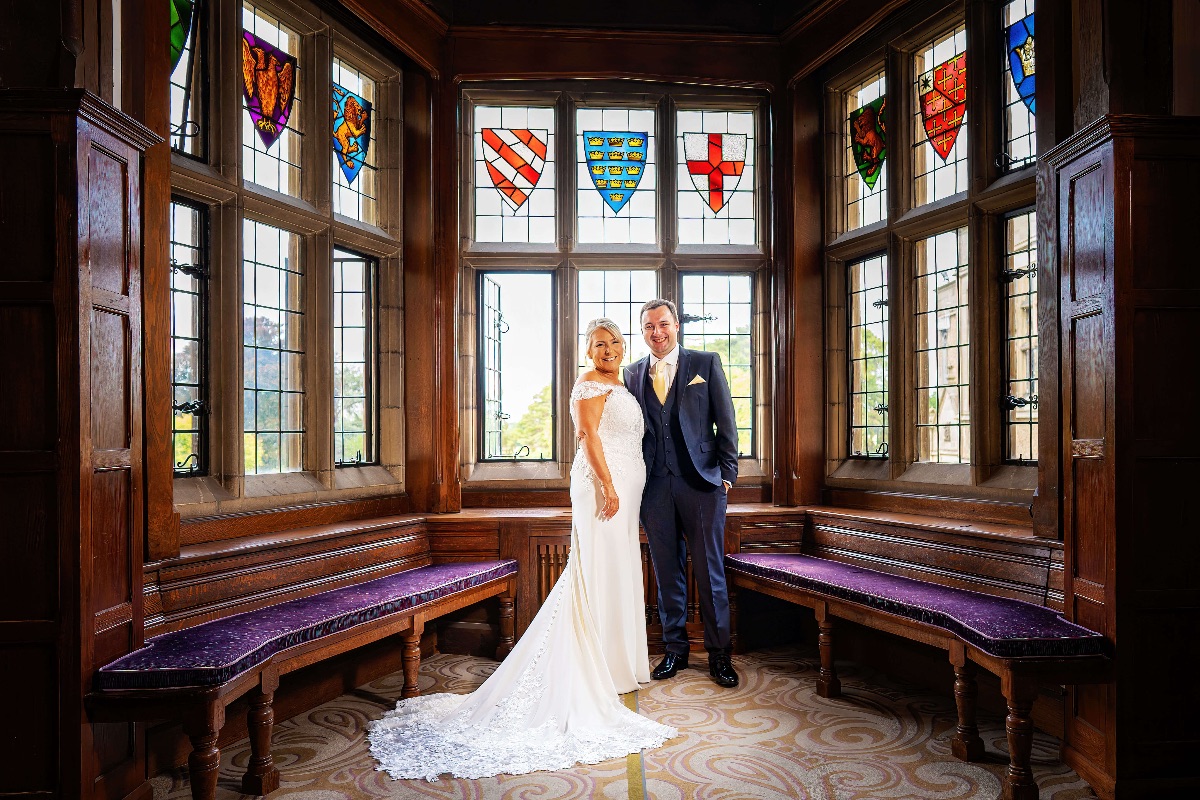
(691, 467)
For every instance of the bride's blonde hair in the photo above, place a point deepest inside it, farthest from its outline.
(605, 323)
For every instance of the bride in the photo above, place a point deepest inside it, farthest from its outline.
(553, 701)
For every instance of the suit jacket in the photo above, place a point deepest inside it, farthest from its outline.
(705, 409)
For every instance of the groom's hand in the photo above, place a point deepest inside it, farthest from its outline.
(727, 485)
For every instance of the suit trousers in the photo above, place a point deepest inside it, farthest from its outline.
(680, 519)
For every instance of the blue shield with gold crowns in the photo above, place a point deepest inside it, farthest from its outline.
(351, 131)
(1021, 63)
(616, 161)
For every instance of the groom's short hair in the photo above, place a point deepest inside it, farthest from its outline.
(659, 302)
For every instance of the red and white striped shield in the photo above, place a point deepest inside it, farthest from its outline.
(716, 162)
(515, 158)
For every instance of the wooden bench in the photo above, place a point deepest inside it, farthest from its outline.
(1021, 643)
(194, 673)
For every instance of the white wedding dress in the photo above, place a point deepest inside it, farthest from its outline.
(553, 702)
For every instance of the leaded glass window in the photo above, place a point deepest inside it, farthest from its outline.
(272, 349)
(353, 359)
(939, 120)
(1021, 336)
(1020, 128)
(616, 176)
(942, 354)
(187, 77)
(516, 351)
(717, 311)
(868, 348)
(618, 294)
(355, 199)
(189, 328)
(514, 150)
(867, 131)
(276, 167)
(715, 180)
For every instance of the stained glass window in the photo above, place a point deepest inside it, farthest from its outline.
(1020, 126)
(514, 174)
(618, 294)
(1021, 336)
(187, 77)
(868, 348)
(272, 349)
(939, 129)
(516, 347)
(276, 167)
(189, 359)
(353, 358)
(353, 146)
(942, 357)
(715, 181)
(616, 183)
(717, 311)
(866, 142)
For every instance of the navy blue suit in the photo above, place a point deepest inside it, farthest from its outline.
(690, 448)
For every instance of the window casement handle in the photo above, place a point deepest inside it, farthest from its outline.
(1010, 402)
(1010, 275)
(191, 270)
(190, 407)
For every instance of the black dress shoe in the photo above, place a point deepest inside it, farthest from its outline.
(720, 667)
(671, 663)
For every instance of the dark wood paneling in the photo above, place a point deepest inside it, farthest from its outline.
(29, 579)
(33, 426)
(251, 523)
(218, 579)
(28, 728)
(1000, 560)
(28, 201)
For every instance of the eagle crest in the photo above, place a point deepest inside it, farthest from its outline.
(270, 83)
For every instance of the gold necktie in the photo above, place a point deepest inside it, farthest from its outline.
(660, 381)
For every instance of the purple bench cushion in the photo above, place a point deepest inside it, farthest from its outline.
(997, 625)
(218, 651)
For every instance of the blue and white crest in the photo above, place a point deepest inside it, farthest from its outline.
(616, 161)
(351, 131)
(1021, 61)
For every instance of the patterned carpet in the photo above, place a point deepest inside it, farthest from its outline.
(771, 738)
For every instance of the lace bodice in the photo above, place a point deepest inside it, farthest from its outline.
(622, 427)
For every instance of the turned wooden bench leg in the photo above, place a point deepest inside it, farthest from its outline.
(828, 684)
(1019, 783)
(412, 659)
(967, 744)
(507, 623)
(261, 776)
(202, 727)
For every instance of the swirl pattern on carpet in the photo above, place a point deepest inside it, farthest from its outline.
(771, 738)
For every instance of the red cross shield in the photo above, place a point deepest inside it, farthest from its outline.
(715, 162)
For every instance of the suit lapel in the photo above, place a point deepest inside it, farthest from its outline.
(681, 370)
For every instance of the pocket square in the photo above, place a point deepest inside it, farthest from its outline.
(696, 380)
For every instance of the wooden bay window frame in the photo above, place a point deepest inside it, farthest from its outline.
(990, 195)
(566, 258)
(215, 182)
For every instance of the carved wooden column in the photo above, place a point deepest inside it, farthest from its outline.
(71, 481)
(1121, 204)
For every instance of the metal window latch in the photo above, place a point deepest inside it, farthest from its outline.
(521, 451)
(686, 318)
(882, 450)
(1010, 275)
(1003, 160)
(879, 304)
(190, 407)
(880, 408)
(1010, 402)
(184, 466)
(191, 270)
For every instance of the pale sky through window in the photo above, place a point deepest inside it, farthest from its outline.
(528, 347)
